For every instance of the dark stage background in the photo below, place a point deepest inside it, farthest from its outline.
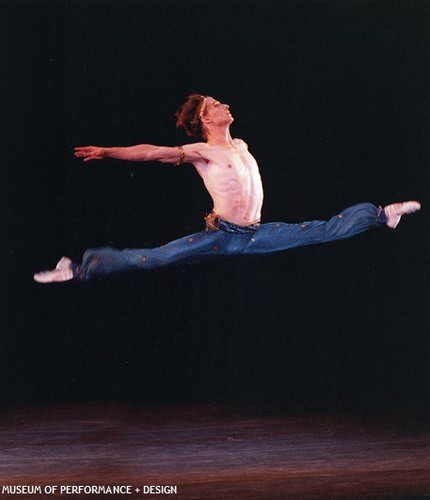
(332, 98)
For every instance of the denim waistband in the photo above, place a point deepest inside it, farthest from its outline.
(215, 223)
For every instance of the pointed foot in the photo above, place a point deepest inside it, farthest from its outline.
(395, 211)
(62, 272)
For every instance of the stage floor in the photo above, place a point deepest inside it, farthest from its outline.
(211, 452)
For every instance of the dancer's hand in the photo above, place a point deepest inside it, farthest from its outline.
(90, 153)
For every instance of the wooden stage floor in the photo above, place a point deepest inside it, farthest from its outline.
(211, 452)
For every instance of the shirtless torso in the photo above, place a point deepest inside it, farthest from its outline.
(232, 178)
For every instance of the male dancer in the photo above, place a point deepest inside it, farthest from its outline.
(231, 175)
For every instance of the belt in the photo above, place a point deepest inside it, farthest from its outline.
(216, 223)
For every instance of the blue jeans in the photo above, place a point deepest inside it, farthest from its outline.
(230, 240)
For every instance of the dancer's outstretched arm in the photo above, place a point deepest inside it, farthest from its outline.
(145, 152)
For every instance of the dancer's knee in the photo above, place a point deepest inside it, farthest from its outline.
(149, 258)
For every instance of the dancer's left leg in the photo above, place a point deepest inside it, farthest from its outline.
(278, 236)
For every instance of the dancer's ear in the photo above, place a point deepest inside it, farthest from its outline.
(205, 119)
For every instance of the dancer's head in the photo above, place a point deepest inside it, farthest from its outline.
(189, 115)
(198, 112)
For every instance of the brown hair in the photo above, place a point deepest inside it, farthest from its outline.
(188, 117)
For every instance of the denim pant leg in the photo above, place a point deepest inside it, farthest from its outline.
(198, 247)
(277, 236)
(209, 245)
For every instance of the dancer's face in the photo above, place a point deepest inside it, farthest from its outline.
(217, 113)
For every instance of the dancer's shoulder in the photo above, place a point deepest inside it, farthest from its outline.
(240, 143)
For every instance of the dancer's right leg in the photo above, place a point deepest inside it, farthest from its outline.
(198, 247)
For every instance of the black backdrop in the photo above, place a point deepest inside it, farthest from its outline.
(332, 98)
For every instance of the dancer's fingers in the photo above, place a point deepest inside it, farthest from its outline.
(84, 149)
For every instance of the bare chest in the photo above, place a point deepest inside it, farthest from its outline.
(233, 165)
